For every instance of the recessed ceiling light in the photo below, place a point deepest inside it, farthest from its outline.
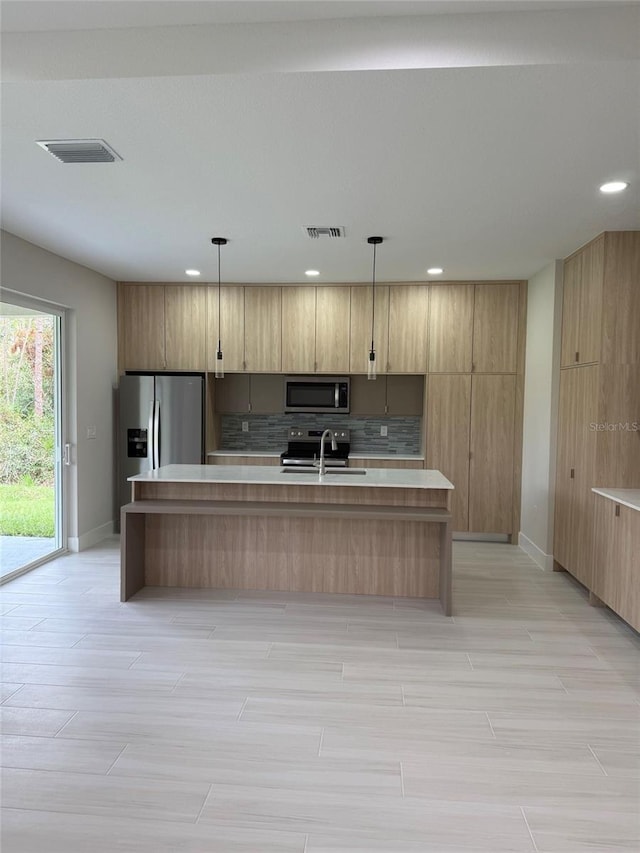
(435, 271)
(192, 272)
(614, 187)
(312, 272)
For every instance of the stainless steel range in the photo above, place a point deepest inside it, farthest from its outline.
(303, 448)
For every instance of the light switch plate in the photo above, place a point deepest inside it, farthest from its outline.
(245, 426)
(384, 431)
(91, 432)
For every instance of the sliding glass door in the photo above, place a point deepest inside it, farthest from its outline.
(31, 481)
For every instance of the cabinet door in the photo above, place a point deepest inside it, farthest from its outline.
(590, 304)
(266, 394)
(448, 429)
(626, 597)
(263, 329)
(143, 327)
(495, 328)
(491, 464)
(408, 320)
(298, 329)
(232, 394)
(572, 276)
(405, 396)
(606, 549)
(576, 470)
(451, 328)
(361, 315)
(333, 317)
(185, 327)
(563, 538)
(231, 327)
(368, 397)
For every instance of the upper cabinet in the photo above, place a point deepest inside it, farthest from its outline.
(408, 316)
(298, 329)
(451, 328)
(582, 305)
(315, 329)
(333, 315)
(263, 329)
(142, 324)
(362, 306)
(231, 327)
(185, 310)
(495, 328)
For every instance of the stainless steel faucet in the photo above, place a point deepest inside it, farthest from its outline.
(334, 446)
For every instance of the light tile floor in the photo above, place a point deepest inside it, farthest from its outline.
(217, 722)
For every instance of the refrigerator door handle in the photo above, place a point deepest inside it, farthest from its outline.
(156, 435)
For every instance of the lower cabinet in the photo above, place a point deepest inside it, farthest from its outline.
(616, 558)
(233, 459)
(373, 462)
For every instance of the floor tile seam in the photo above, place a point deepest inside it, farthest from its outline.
(321, 742)
(116, 759)
(18, 688)
(204, 803)
(490, 724)
(74, 714)
(524, 817)
(109, 813)
(600, 765)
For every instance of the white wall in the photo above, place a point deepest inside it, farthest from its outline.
(90, 374)
(544, 312)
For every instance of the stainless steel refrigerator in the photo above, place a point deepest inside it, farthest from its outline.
(160, 423)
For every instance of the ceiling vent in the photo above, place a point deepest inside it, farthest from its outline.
(79, 150)
(325, 231)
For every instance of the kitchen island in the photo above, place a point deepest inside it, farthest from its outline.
(379, 532)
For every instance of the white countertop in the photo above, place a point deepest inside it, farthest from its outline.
(628, 497)
(390, 478)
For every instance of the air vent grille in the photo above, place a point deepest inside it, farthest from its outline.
(324, 231)
(80, 150)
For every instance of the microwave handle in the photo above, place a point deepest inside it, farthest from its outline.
(337, 396)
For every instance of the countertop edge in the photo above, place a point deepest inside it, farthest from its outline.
(627, 497)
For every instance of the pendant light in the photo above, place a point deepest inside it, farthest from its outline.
(371, 360)
(219, 241)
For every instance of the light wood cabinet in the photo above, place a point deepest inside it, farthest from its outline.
(360, 332)
(601, 316)
(185, 308)
(298, 329)
(616, 562)
(333, 317)
(231, 327)
(576, 470)
(451, 328)
(582, 305)
(263, 329)
(495, 328)
(259, 394)
(238, 459)
(493, 399)
(447, 438)
(376, 462)
(143, 327)
(401, 396)
(408, 328)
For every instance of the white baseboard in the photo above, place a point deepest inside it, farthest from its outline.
(545, 561)
(92, 537)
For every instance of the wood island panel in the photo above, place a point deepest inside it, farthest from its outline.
(293, 494)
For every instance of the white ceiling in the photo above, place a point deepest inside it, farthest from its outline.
(475, 142)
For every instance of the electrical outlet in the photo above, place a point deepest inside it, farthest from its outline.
(384, 431)
(91, 432)
(245, 426)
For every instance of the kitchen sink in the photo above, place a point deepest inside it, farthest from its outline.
(328, 473)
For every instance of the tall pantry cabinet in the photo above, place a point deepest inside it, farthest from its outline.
(598, 438)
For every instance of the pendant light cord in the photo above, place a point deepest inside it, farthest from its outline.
(373, 296)
(219, 313)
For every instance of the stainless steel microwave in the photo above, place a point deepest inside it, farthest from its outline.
(316, 394)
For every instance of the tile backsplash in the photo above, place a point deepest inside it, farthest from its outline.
(269, 432)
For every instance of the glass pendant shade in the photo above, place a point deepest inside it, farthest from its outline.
(371, 365)
(219, 363)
